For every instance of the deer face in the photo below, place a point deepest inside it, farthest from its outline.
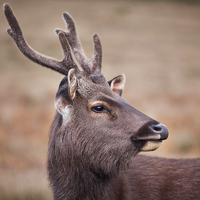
(104, 128)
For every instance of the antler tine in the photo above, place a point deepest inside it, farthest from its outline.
(74, 41)
(97, 56)
(89, 65)
(16, 33)
(67, 60)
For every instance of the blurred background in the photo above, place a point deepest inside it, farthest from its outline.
(156, 44)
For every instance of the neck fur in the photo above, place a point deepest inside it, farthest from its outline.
(71, 176)
(79, 182)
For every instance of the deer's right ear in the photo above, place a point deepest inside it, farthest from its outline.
(117, 84)
(66, 93)
(72, 83)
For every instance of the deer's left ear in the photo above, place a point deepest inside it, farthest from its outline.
(117, 84)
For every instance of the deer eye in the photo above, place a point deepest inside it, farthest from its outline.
(98, 109)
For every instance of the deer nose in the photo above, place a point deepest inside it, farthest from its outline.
(160, 129)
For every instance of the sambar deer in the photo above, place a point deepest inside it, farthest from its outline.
(96, 134)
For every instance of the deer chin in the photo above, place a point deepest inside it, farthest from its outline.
(147, 145)
(151, 145)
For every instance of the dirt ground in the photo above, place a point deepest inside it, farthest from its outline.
(156, 45)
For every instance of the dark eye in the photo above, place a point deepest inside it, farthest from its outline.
(98, 109)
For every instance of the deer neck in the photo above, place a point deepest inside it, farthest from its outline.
(84, 185)
(79, 182)
(71, 177)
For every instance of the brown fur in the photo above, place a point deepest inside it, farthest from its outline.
(160, 178)
(86, 159)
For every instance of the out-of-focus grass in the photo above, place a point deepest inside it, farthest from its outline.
(157, 46)
(26, 195)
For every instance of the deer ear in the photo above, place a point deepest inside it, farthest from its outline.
(72, 83)
(66, 93)
(117, 84)
(62, 105)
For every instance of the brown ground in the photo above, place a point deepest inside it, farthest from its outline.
(156, 45)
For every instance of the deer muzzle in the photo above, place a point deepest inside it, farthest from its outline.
(150, 136)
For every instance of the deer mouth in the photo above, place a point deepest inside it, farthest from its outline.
(147, 145)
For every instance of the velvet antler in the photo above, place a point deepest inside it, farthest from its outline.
(16, 33)
(92, 65)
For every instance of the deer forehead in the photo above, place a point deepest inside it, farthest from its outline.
(90, 88)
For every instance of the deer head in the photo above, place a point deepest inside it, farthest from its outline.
(94, 126)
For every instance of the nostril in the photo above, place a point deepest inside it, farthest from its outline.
(160, 129)
(157, 128)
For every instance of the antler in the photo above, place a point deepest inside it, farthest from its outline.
(16, 33)
(92, 65)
